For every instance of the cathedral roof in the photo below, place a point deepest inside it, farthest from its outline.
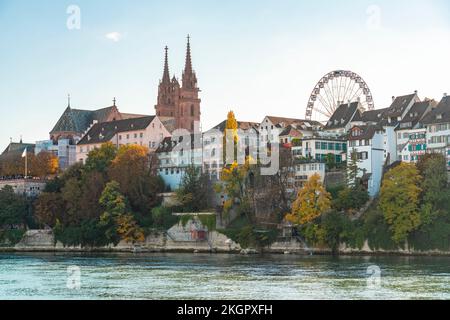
(76, 120)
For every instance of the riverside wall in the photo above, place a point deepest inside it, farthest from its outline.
(43, 241)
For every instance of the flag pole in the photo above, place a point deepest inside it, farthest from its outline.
(26, 164)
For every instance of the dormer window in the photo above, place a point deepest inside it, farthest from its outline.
(439, 116)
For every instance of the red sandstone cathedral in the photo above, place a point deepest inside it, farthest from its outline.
(180, 103)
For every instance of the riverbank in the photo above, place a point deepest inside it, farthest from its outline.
(37, 241)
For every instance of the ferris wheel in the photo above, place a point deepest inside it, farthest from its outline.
(334, 89)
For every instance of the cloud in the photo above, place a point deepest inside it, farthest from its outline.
(114, 36)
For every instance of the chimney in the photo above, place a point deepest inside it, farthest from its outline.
(415, 91)
(393, 98)
(445, 95)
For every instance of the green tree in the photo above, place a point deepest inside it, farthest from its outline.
(101, 158)
(192, 193)
(353, 169)
(48, 208)
(399, 200)
(13, 208)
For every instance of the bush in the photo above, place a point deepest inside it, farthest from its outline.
(11, 237)
(163, 218)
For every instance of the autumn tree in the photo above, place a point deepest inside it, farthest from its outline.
(312, 201)
(399, 200)
(116, 219)
(231, 131)
(131, 169)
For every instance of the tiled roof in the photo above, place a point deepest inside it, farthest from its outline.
(104, 132)
(374, 116)
(399, 105)
(244, 125)
(15, 149)
(290, 121)
(440, 114)
(168, 143)
(76, 120)
(368, 131)
(343, 115)
(416, 113)
(290, 131)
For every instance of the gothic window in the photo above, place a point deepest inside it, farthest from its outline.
(192, 110)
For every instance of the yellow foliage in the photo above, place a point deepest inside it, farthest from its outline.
(128, 229)
(312, 201)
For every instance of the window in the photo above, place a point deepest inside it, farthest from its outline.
(135, 135)
(323, 145)
(318, 145)
(330, 146)
(192, 110)
(128, 136)
(120, 137)
(142, 134)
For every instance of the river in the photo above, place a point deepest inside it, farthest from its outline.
(204, 276)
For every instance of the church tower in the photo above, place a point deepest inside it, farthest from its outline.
(189, 104)
(180, 103)
(168, 93)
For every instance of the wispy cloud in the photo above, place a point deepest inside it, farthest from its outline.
(114, 36)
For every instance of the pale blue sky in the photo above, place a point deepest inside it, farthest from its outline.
(255, 57)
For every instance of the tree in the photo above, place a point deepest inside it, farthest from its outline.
(100, 159)
(399, 200)
(13, 208)
(43, 164)
(131, 169)
(433, 169)
(351, 199)
(72, 193)
(48, 208)
(353, 169)
(231, 127)
(192, 193)
(312, 201)
(330, 161)
(118, 222)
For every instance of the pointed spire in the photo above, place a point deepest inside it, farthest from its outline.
(166, 74)
(188, 65)
(114, 102)
(189, 78)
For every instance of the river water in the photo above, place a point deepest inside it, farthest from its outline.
(204, 276)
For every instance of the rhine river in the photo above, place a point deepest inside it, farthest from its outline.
(204, 276)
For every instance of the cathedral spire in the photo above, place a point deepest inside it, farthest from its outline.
(189, 78)
(166, 74)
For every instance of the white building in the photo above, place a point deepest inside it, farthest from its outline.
(213, 140)
(411, 134)
(368, 143)
(304, 171)
(437, 123)
(146, 131)
(271, 128)
(176, 156)
(319, 147)
(26, 187)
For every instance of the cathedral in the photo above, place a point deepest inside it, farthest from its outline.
(180, 104)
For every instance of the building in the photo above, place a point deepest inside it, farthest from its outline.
(180, 103)
(146, 131)
(27, 187)
(411, 133)
(343, 118)
(176, 155)
(437, 122)
(318, 148)
(213, 140)
(368, 143)
(392, 118)
(305, 170)
(272, 128)
(72, 126)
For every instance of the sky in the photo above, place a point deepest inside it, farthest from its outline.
(255, 57)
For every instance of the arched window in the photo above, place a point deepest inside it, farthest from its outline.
(192, 110)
